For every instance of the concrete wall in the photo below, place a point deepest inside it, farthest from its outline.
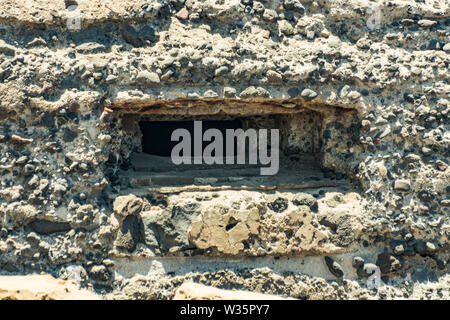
(383, 99)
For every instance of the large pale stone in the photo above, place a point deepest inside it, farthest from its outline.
(127, 205)
(249, 232)
(41, 287)
(195, 291)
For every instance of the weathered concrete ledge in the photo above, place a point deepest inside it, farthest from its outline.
(211, 106)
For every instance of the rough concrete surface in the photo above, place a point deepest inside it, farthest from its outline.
(362, 105)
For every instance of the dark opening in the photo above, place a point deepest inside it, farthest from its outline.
(156, 135)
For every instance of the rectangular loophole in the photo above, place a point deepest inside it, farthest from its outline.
(152, 165)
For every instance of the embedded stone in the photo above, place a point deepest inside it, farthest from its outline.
(357, 262)
(305, 199)
(18, 140)
(277, 204)
(6, 49)
(131, 232)
(146, 77)
(252, 92)
(90, 48)
(183, 14)
(366, 270)
(388, 263)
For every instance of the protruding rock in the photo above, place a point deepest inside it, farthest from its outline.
(99, 273)
(253, 92)
(229, 92)
(293, 92)
(6, 49)
(183, 14)
(3, 113)
(284, 27)
(137, 39)
(146, 77)
(90, 47)
(274, 76)
(357, 262)
(270, 15)
(48, 227)
(388, 263)
(305, 199)
(446, 47)
(131, 232)
(398, 246)
(127, 205)
(420, 247)
(210, 94)
(402, 185)
(354, 95)
(194, 291)
(295, 5)
(425, 23)
(41, 287)
(366, 270)
(36, 42)
(277, 204)
(265, 34)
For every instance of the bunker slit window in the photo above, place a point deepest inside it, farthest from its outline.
(151, 163)
(156, 135)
